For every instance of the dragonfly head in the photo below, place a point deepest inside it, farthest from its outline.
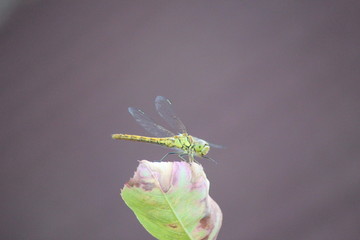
(201, 147)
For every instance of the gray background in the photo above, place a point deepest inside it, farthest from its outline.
(277, 82)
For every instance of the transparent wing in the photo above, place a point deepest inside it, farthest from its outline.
(216, 145)
(148, 124)
(164, 108)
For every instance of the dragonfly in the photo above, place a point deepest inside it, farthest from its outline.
(183, 143)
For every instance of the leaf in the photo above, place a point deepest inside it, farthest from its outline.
(171, 200)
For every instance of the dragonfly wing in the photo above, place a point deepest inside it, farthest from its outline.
(148, 124)
(216, 145)
(165, 110)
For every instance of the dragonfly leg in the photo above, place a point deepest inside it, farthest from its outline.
(182, 156)
(209, 158)
(167, 155)
(190, 159)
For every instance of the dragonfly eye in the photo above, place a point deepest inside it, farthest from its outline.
(205, 150)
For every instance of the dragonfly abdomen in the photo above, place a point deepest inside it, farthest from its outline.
(168, 142)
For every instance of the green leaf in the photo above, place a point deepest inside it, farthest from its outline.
(171, 200)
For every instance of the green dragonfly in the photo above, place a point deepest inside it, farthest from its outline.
(183, 143)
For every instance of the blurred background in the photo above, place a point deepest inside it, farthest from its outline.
(277, 82)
